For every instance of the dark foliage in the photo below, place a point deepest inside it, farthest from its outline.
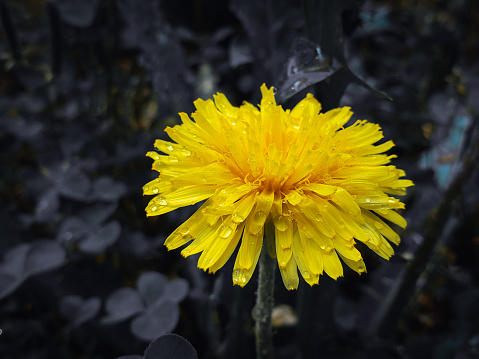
(87, 86)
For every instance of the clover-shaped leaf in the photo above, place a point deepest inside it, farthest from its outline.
(176, 290)
(43, 256)
(78, 311)
(47, 205)
(122, 304)
(28, 259)
(97, 213)
(75, 184)
(151, 286)
(158, 319)
(97, 241)
(80, 13)
(170, 346)
(105, 188)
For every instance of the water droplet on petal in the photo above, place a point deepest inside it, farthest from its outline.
(162, 201)
(281, 223)
(155, 190)
(368, 200)
(259, 217)
(225, 231)
(170, 148)
(185, 151)
(237, 218)
(173, 158)
(318, 217)
(322, 246)
(154, 208)
(184, 231)
(306, 275)
(239, 277)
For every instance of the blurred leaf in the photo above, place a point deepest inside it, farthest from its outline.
(14, 261)
(176, 290)
(152, 286)
(8, 284)
(345, 313)
(29, 77)
(97, 241)
(159, 319)
(47, 205)
(28, 259)
(71, 230)
(170, 346)
(122, 304)
(105, 188)
(80, 13)
(10, 32)
(79, 311)
(97, 213)
(444, 158)
(239, 53)
(307, 64)
(21, 128)
(75, 184)
(43, 256)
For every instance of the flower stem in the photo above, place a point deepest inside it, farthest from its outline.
(264, 306)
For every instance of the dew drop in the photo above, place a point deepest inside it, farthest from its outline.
(185, 151)
(326, 205)
(154, 208)
(283, 264)
(306, 275)
(170, 148)
(329, 248)
(155, 190)
(225, 231)
(237, 218)
(184, 231)
(368, 200)
(318, 217)
(322, 246)
(259, 217)
(185, 252)
(361, 268)
(173, 158)
(281, 223)
(378, 225)
(162, 201)
(239, 277)
(275, 90)
(146, 188)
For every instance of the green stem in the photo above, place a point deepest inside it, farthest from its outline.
(264, 306)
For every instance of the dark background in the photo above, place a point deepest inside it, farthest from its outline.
(86, 86)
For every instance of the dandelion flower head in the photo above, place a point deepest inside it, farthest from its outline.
(313, 185)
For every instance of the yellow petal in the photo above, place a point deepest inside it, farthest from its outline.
(289, 274)
(332, 265)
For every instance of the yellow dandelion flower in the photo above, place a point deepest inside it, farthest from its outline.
(318, 184)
